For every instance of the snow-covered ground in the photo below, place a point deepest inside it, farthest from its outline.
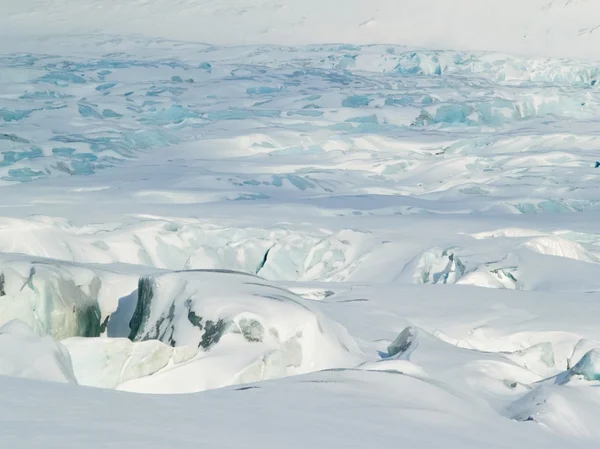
(559, 28)
(299, 224)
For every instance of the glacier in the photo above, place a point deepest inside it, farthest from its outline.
(371, 224)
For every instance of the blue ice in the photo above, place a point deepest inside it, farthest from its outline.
(88, 111)
(356, 101)
(262, 90)
(62, 79)
(453, 113)
(105, 86)
(406, 100)
(109, 113)
(588, 366)
(173, 114)
(10, 157)
(175, 91)
(251, 196)
(13, 138)
(9, 115)
(306, 113)
(63, 151)
(241, 114)
(22, 174)
(43, 95)
(205, 66)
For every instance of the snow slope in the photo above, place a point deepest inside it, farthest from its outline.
(565, 28)
(337, 409)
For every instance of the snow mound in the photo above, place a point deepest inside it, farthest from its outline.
(560, 247)
(569, 411)
(538, 358)
(478, 374)
(109, 362)
(246, 330)
(434, 266)
(25, 354)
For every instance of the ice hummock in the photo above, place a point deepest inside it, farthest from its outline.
(256, 329)
(588, 368)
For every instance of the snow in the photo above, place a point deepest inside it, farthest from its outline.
(534, 27)
(299, 224)
(27, 355)
(244, 328)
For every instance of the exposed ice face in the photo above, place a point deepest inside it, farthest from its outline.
(25, 354)
(50, 301)
(61, 299)
(588, 368)
(434, 266)
(109, 362)
(405, 341)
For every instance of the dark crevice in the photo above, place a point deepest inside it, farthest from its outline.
(264, 260)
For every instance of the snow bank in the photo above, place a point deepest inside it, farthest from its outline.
(25, 354)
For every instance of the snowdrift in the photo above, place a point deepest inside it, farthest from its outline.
(27, 355)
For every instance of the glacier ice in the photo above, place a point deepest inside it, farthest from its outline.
(202, 307)
(356, 101)
(338, 196)
(587, 368)
(49, 302)
(582, 347)
(434, 266)
(60, 299)
(109, 362)
(62, 79)
(403, 342)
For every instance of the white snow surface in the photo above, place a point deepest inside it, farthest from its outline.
(562, 28)
(299, 224)
(27, 355)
